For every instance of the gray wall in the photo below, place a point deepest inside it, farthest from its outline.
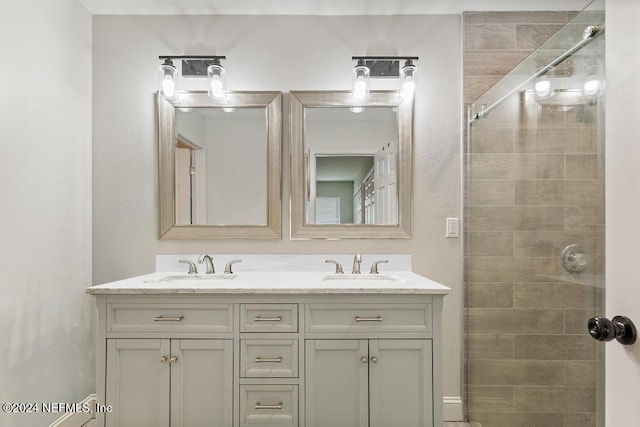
(45, 197)
(274, 53)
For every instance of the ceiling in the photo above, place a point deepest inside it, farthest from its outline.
(319, 7)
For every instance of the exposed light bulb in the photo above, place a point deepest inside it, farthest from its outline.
(168, 83)
(408, 78)
(360, 89)
(215, 73)
(591, 87)
(543, 88)
(408, 87)
(168, 86)
(361, 80)
(216, 88)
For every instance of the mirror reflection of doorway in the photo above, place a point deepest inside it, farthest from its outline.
(337, 180)
(190, 182)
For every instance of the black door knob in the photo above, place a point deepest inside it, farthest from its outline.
(620, 327)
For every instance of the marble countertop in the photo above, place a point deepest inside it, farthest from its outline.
(287, 282)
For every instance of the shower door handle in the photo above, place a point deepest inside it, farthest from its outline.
(620, 327)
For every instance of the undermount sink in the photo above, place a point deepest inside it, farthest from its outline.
(176, 278)
(361, 279)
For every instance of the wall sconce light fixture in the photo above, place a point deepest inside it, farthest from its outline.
(408, 77)
(194, 66)
(383, 67)
(168, 83)
(361, 80)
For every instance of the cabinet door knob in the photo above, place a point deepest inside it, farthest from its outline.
(363, 359)
(163, 359)
(374, 359)
(173, 359)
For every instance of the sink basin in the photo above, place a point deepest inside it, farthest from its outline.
(177, 278)
(361, 279)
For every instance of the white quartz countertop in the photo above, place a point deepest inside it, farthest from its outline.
(287, 282)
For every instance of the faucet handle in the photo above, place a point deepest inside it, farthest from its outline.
(192, 266)
(374, 266)
(338, 266)
(227, 268)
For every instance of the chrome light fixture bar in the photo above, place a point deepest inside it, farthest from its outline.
(383, 67)
(193, 66)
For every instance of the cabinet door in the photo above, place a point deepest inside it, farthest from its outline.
(137, 383)
(336, 383)
(400, 383)
(201, 383)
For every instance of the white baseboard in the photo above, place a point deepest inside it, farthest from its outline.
(452, 409)
(77, 419)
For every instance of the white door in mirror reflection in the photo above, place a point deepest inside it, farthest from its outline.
(352, 158)
(385, 185)
(224, 183)
(183, 186)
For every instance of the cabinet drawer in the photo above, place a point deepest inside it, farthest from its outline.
(269, 358)
(269, 405)
(356, 318)
(268, 318)
(134, 317)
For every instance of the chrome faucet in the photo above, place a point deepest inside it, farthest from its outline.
(192, 267)
(374, 266)
(208, 262)
(357, 260)
(227, 268)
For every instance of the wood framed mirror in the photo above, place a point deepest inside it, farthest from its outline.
(220, 164)
(351, 165)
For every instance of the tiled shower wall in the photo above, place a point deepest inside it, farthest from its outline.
(533, 186)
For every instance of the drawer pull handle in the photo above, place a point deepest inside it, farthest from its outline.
(268, 359)
(267, 319)
(260, 406)
(369, 319)
(168, 319)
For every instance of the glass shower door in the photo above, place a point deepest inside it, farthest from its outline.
(534, 237)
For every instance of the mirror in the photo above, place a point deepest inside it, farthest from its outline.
(351, 165)
(219, 170)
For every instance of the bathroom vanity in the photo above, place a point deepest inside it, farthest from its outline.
(273, 349)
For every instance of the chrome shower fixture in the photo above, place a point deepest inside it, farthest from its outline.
(193, 66)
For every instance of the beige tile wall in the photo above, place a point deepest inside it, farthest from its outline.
(533, 186)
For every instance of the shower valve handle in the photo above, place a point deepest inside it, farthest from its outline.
(620, 327)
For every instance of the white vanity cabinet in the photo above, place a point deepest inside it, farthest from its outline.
(162, 382)
(369, 365)
(373, 383)
(276, 357)
(164, 366)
